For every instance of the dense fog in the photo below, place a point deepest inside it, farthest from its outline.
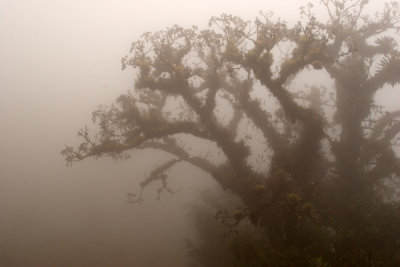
(59, 60)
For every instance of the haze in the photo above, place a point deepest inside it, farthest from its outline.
(59, 60)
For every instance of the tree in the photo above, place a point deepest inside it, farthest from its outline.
(326, 194)
(211, 245)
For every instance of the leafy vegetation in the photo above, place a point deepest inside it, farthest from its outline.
(327, 192)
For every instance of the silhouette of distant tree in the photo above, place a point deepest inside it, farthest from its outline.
(328, 192)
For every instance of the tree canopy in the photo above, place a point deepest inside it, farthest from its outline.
(327, 192)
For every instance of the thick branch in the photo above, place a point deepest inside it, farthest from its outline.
(261, 120)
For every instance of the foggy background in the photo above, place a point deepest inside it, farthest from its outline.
(59, 60)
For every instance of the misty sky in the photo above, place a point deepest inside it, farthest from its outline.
(58, 61)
